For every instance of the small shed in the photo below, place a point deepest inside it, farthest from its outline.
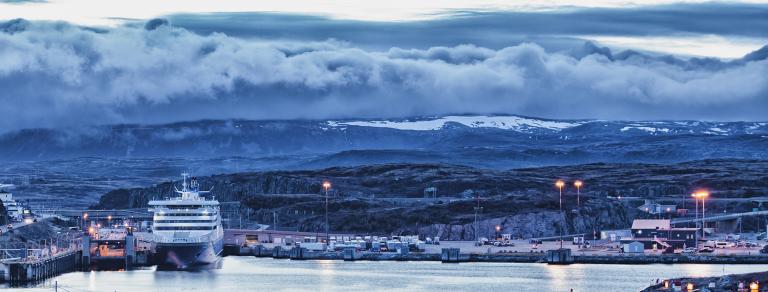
(634, 247)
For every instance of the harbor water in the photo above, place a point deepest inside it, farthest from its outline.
(266, 274)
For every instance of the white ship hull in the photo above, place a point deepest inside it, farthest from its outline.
(183, 256)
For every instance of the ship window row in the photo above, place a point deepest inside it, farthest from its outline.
(184, 221)
(187, 214)
(182, 206)
(185, 228)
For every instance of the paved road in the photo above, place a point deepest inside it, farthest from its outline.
(16, 225)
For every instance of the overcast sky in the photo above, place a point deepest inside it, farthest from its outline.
(71, 63)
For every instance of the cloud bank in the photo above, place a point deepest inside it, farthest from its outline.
(57, 74)
(552, 29)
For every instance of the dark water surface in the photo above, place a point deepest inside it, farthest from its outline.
(265, 274)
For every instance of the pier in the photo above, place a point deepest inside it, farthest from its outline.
(106, 250)
(38, 269)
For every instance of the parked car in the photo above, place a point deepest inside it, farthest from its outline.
(689, 250)
(706, 250)
(723, 244)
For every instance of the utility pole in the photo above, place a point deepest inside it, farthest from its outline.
(477, 226)
(274, 220)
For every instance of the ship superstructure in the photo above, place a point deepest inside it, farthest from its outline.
(15, 211)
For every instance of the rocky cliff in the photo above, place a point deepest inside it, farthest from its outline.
(390, 198)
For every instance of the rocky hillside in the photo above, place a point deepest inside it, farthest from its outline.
(390, 198)
(725, 283)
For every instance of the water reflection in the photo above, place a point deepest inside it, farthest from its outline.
(260, 274)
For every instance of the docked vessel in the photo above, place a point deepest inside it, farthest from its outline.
(187, 228)
(15, 211)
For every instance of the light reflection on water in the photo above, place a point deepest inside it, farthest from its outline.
(260, 274)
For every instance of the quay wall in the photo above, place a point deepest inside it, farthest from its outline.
(41, 269)
(285, 253)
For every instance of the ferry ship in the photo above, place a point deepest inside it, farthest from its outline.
(187, 229)
(15, 211)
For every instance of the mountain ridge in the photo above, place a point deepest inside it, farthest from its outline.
(495, 141)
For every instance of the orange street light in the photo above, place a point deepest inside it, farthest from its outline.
(560, 184)
(701, 195)
(754, 286)
(578, 185)
(326, 186)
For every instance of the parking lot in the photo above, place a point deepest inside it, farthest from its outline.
(600, 248)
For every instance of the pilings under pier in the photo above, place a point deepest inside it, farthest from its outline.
(450, 255)
(41, 269)
(560, 256)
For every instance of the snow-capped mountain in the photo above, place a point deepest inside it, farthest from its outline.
(497, 141)
(516, 123)
(536, 126)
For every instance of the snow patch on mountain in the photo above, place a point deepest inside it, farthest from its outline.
(647, 129)
(500, 122)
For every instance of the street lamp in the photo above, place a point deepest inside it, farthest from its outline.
(326, 186)
(498, 230)
(578, 185)
(560, 184)
(702, 195)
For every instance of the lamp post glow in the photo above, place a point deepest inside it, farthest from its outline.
(702, 195)
(326, 186)
(560, 184)
(578, 185)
